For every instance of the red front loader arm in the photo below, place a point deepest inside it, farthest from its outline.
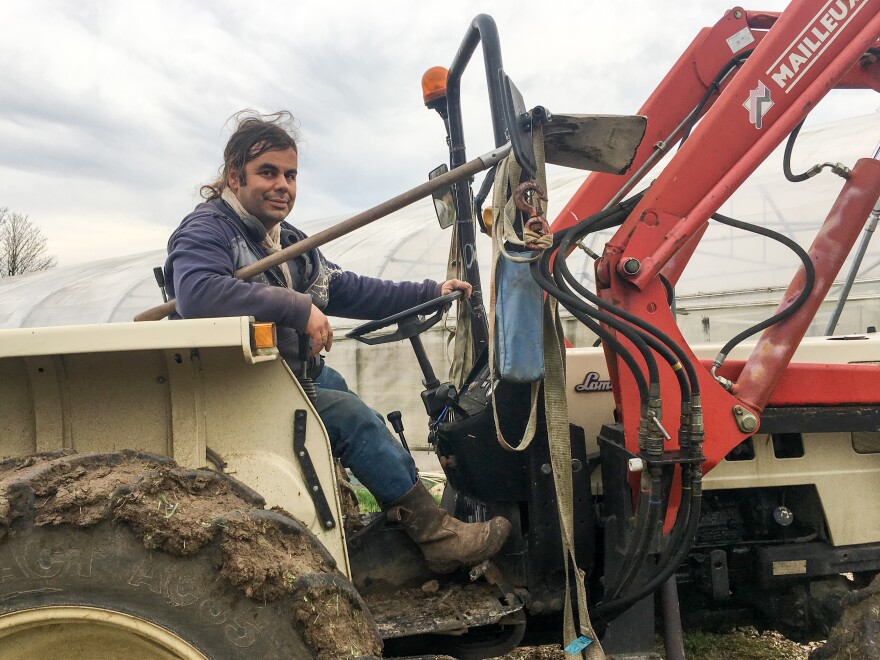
(812, 47)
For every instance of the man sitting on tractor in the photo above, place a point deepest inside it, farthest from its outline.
(242, 221)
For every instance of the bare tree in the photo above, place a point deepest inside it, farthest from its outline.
(22, 245)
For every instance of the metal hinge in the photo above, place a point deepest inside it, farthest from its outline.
(325, 515)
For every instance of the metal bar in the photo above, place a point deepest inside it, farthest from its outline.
(482, 30)
(322, 507)
(661, 148)
(673, 637)
(853, 271)
(820, 419)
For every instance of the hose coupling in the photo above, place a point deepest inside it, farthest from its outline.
(716, 364)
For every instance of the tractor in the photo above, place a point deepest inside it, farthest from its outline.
(169, 491)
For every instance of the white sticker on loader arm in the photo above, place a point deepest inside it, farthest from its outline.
(739, 40)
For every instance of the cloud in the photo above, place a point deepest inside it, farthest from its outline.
(113, 110)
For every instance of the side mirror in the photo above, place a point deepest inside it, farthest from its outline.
(444, 203)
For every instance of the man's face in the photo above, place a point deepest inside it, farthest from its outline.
(269, 187)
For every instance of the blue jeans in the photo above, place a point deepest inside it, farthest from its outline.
(360, 439)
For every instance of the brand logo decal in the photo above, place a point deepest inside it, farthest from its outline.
(758, 103)
(593, 383)
(811, 42)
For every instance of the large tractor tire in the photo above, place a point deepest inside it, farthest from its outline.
(126, 555)
(857, 633)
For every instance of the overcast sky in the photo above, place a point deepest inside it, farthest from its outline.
(113, 113)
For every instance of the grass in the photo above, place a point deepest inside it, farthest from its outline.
(740, 644)
(367, 503)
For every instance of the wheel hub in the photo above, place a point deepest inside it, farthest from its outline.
(75, 632)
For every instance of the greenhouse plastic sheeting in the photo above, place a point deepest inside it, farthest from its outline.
(409, 245)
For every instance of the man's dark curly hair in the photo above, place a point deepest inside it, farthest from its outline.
(255, 135)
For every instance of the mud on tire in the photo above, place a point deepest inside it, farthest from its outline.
(191, 551)
(857, 633)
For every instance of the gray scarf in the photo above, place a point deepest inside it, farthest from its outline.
(271, 240)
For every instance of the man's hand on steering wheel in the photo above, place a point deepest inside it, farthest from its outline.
(319, 331)
(456, 285)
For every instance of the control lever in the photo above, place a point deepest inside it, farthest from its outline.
(396, 420)
(303, 377)
(159, 274)
(439, 398)
(446, 393)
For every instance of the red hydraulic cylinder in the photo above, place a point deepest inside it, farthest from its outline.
(829, 250)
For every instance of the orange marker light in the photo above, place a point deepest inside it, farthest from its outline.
(264, 335)
(434, 83)
(488, 219)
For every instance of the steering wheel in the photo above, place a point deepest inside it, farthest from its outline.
(410, 322)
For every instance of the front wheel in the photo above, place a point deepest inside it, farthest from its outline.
(129, 556)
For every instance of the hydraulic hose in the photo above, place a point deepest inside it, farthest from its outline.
(809, 281)
(636, 553)
(577, 232)
(786, 158)
(564, 286)
(684, 512)
(574, 304)
(670, 290)
(682, 521)
(613, 607)
(651, 335)
(684, 529)
(649, 511)
(714, 86)
(630, 333)
(538, 270)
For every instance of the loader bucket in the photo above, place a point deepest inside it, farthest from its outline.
(599, 143)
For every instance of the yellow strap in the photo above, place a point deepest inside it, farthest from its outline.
(559, 439)
(555, 403)
(463, 350)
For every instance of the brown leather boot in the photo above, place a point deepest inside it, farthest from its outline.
(447, 543)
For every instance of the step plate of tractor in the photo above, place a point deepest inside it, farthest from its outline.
(452, 609)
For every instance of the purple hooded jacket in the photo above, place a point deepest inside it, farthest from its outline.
(212, 243)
